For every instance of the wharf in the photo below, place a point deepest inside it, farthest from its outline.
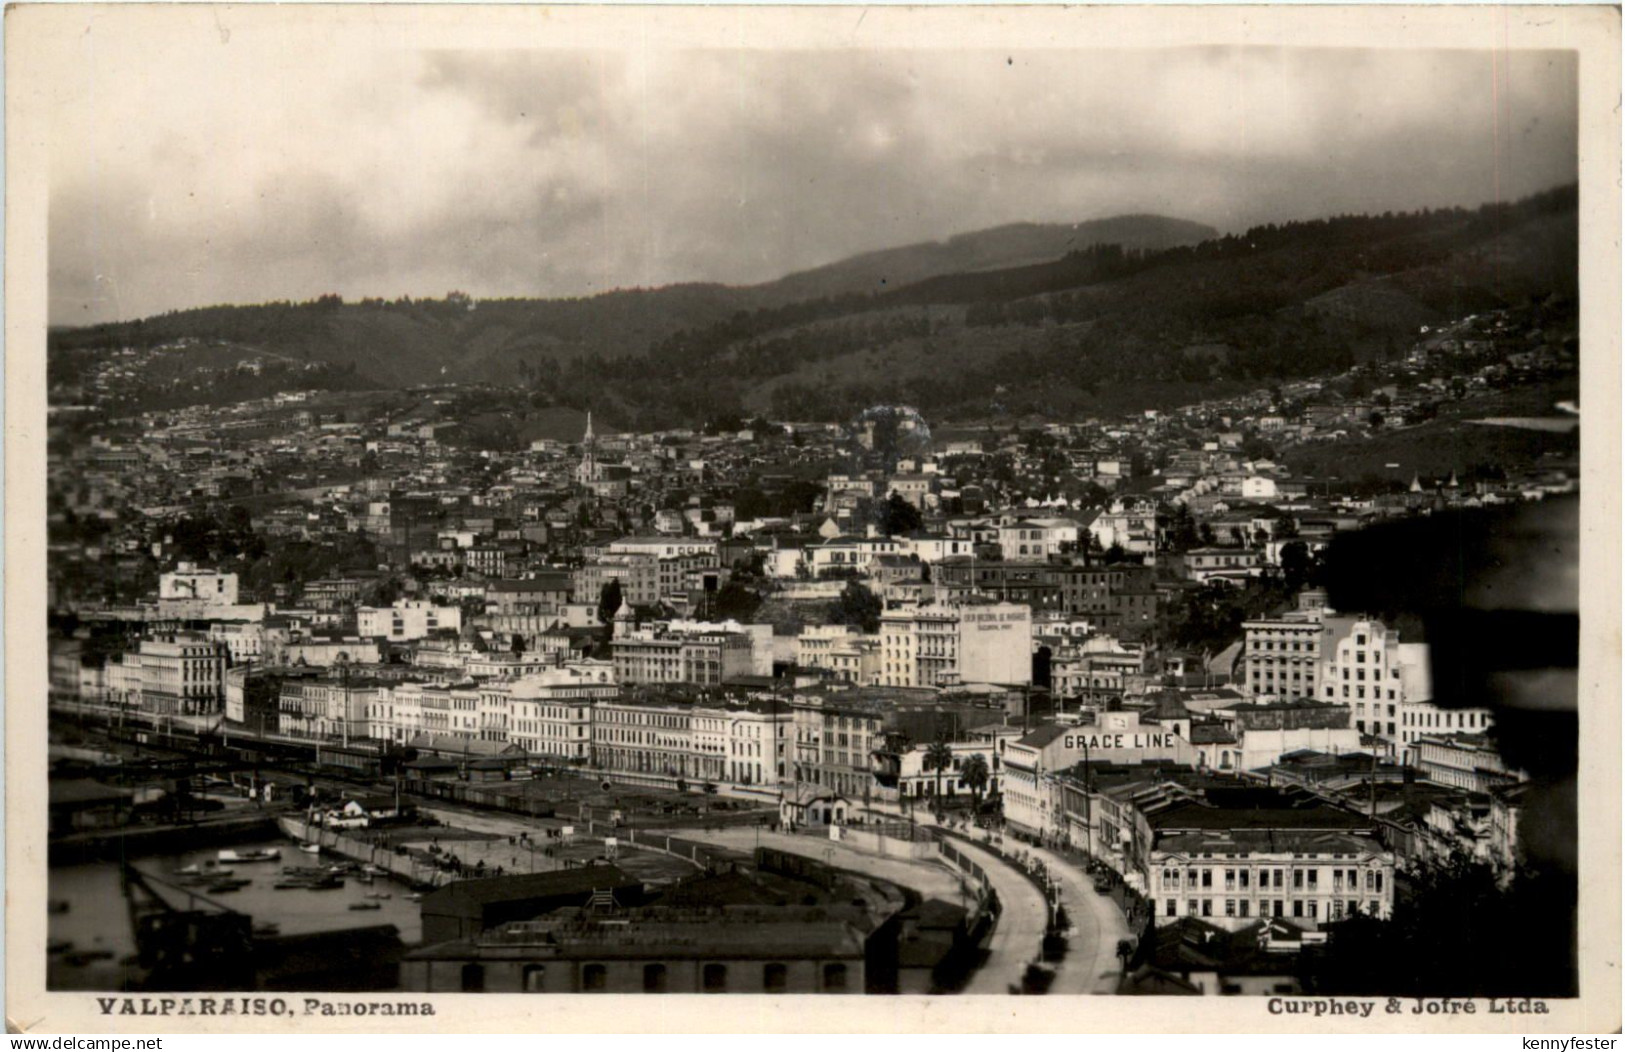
(140, 841)
(407, 867)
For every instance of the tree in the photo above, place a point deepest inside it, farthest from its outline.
(1295, 564)
(1182, 535)
(976, 775)
(750, 503)
(857, 606)
(609, 600)
(385, 591)
(1463, 930)
(898, 516)
(1255, 448)
(938, 757)
(736, 600)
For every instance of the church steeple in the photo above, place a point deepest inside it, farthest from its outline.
(588, 471)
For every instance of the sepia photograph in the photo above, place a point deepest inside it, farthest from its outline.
(921, 506)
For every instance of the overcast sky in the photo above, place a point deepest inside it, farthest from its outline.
(253, 175)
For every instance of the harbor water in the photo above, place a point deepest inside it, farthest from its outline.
(91, 939)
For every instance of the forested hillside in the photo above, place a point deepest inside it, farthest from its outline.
(1106, 326)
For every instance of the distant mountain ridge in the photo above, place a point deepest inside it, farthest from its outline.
(1055, 319)
(996, 248)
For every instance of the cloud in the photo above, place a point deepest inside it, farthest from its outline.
(253, 174)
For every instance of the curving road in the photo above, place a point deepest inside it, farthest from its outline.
(1019, 935)
(931, 879)
(1016, 938)
(1091, 965)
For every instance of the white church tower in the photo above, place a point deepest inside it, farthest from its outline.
(588, 472)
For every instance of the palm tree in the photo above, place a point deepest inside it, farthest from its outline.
(938, 757)
(975, 774)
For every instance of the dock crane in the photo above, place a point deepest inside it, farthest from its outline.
(203, 946)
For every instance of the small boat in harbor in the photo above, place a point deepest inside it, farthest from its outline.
(377, 894)
(311, 849)
(414, 897)
(271, 854)
(59, 946)
(58, 906)
(235, 884)
(365, 906)
(207, 868)
(375, 870)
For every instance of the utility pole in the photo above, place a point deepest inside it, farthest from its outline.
(344, 704)
(1088, 802)
(1373, 781)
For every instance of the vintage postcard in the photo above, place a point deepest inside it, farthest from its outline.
(899, 518)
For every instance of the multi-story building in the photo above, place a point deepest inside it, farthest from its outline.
(1283, 656)
(835, 743)
(404, 711)
(634, 737)
(243, 640)
(182, 674)
(758, 745)
(918, 489)
(853, 656)
(638, 576)
(817, 642)
(1033, 764)
(941, 644)
(742, 745)
(1361, 669)
(856, 661)
(666, 547)
(332, 593)
(835, 556)
(1423, 719)
(1466, 761)
(919, 646)
(932, 548)
(551, 713)
(189, 583)
(651, 656)
(1130, 526)
(123, 680)
(1114, 597)
(1236, 855)
(1222, 564)
(407, 619)
(916, 781)
(1259, 734)
(490, 560)
(1388, 684)
(328, 707)
(772, 950)
(1037, 538)
(648, 579)
(1096, 671)
(542, 594)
